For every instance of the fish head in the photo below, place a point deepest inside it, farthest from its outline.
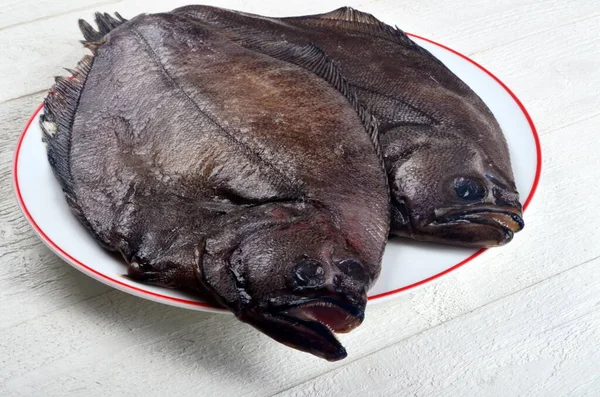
(297, 282)
(448, 189)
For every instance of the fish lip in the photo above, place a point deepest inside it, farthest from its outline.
(485, 216)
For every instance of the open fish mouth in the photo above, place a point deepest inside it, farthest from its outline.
(508, 219)
(336, 316)
(310, 325)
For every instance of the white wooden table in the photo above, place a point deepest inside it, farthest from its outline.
(523, 320)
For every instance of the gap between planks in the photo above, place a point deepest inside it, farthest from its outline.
(6, 101)
(581, 120)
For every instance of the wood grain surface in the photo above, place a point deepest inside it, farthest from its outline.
(523, 320)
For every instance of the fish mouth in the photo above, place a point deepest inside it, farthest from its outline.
(310, 325)
(507, 219)
(485, 227)
(335, 315)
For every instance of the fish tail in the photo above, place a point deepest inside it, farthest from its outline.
(105, 22)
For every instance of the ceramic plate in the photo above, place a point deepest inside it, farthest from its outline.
(406, 264)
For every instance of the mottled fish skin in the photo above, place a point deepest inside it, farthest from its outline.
(223, 171)
(446, 157)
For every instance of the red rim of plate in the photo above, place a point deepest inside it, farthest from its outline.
(110, 280)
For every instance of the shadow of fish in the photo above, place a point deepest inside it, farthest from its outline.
(447, 160)
(223, 171)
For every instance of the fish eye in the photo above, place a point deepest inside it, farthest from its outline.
(469, 189)
(307, 273)
(354, 270)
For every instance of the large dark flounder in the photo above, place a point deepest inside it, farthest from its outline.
(446, 157)
(223, 171)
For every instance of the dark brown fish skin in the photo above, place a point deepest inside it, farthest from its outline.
(217, 169)
(447, 159)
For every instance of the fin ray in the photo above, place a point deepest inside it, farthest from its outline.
(60, 106)
(105, 23)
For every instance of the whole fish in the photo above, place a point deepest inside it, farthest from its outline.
(223, 171)
(447, 159)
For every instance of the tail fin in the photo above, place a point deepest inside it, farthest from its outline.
(105, 23)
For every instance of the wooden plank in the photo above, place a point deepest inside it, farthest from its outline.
(16, 12)
(532, 343)
(555, 74)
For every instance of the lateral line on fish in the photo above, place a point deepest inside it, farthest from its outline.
(245, 148)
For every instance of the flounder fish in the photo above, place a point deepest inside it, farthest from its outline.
(446, 157)
(219, 170)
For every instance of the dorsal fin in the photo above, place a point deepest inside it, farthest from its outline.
(105, 22)
(353, 20)
(313, 59)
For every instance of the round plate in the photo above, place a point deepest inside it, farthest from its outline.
(406, 264)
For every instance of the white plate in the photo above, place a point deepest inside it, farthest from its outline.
(406, 264)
